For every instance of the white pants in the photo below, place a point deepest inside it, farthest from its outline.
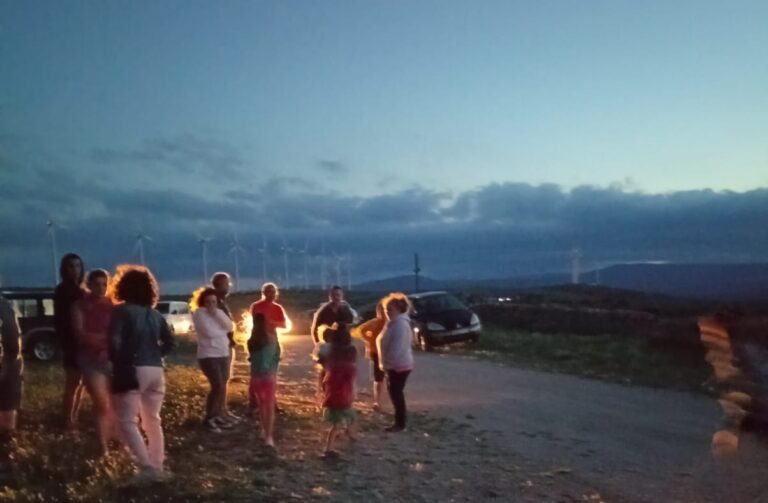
(145, 402)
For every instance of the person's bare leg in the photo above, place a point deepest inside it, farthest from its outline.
(268, 422)
(98, 387)
(7, 422)
(350, 430)
(377, 389)
(73, 393)
(329, 439)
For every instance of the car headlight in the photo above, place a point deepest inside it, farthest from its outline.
(475, 320)
(435, 326)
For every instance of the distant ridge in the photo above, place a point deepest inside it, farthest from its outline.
(710, 281)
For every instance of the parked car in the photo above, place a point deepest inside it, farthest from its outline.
(35, 312)
(440, 318)
(178, 316)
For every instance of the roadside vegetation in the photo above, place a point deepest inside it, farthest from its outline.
(615, 358)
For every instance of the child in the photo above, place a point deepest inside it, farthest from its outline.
(268, 318)
(338, 359)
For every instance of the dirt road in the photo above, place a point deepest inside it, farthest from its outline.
(630, 443)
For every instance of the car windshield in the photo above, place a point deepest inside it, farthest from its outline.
(437, 303)
(163, 307)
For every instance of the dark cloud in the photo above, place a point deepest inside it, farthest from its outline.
(333, 167)
(501, 229)
(185, 153)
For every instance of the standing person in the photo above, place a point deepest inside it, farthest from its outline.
(395, 353)
(91, 317)
(336, 310)
(339, 361)
(67, 292)
(369, 331)
(212, 326)
(264, 348)
(139, 339)
(11, 369)
(221, 283)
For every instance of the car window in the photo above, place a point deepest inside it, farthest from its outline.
(48, 307)
(163, 307)
(27, 308)
(437, 303)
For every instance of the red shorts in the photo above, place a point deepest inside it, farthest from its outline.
(263, 388)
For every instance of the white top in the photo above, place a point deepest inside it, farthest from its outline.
(394, 344)
(212, 340)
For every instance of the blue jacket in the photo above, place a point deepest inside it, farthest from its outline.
(139, 336)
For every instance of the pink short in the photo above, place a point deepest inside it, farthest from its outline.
(263, 388)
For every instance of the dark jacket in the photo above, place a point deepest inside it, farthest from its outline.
(222, 304)
(325, 315)
(139, 336)
(64, 296)
(10, 336)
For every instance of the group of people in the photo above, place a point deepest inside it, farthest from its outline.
(114, 343)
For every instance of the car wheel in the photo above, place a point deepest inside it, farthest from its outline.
(424, 343)
(474, 338)
(44, 349)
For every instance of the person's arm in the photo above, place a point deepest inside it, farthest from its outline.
(315, 324)
(382, 345)
(167, 341)
(281, 321)
(224, 321)
(116, 327)
(346, 314)
(10, 334)
(78, 330)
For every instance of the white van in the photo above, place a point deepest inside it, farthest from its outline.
(178, 316)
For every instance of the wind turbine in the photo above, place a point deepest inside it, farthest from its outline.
(54, 254)
(204, 245)
(263, 252)
(416, 270)
(285, 251)
(337, 266)
(139, 247)
(576, 257)
(323, 282)
(236, 250)
(348, 258)
(303, 253)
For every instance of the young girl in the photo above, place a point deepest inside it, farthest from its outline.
(91, 317)
(338, 359)
(268, 318)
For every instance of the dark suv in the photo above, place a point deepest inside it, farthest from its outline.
(35, 310)
(440, 318)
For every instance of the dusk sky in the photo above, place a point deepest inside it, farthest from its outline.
(492, 137)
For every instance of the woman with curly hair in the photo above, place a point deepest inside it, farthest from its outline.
(139, 339)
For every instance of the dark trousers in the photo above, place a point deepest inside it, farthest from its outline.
(216, 370)
(396, 385)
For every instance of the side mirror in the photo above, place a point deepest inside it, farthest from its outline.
(175, 311)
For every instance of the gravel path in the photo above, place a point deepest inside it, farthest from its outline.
(580, 436)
